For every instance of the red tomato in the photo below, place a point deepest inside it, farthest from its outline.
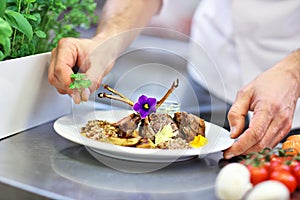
(280, 167)
(288, 158)
(267, 165)
(275, 158)
(294, 164)
(286, 178)
(258, 174)
(296, 173)
(277, 165)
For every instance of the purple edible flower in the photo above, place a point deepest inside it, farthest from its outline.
(145, 106)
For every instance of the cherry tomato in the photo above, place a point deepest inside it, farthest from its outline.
(288, 157)
(258, 174)
(279, 167)
(294, 164)
(275, 164)
(296, 173)
(275, 158)
(267, 165)
(286, 178)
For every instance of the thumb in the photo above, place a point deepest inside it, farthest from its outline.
(96, 74)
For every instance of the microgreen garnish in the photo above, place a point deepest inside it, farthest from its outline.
(80, 81)
(145, 106)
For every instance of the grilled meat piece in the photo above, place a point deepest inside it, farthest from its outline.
(155, 123)
(128, 124)
(189, 125)
(184, 125)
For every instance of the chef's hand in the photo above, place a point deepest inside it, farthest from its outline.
(272, 97)
(72, 52)
(120, 23)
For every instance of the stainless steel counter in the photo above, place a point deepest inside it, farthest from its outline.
(39, 164)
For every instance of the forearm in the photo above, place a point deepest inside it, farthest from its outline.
(119, 16)
(298, 68)
(295, 67)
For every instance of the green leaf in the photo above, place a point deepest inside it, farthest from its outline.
(165, 134)
(72, 86)
(76, 84)
(19, 22)
(28, 16)
(41, 34)
(29, 1)
(37, 18)
(86, 83)
(1, 55)
(5, 29)
(80, 76)
(5, 42)
(2, 7)
(80, 81)
(73, 76)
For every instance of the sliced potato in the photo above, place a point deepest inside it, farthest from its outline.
(123, 141)
(146, 143)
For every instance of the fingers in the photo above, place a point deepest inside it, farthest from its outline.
(72, 52)
(76, 96)
(95, 74)
(266, 129)
(238, 112)
(63, 59)
(272, 98)
(84, 94)
(278, 129)
(252, 136)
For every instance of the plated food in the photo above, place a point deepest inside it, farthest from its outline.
(159, 131)
(146, 128)
(69, 127)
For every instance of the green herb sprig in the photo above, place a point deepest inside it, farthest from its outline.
(79, 81)
(29, 27)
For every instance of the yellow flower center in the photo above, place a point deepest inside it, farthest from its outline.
(146, 106)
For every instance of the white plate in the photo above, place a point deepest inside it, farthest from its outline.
(69, 128)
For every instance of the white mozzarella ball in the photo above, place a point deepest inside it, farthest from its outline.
(233, 182)
(269, 190)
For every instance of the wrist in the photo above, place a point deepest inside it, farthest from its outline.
(296, 58)
(112, 41)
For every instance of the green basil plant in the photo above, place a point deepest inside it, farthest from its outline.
(29, 27)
